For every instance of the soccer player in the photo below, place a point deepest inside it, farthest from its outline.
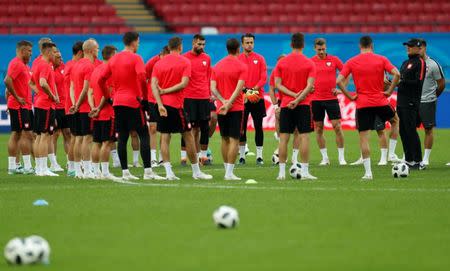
(409, 94)
(152, 106)
(77, 54)
(255, 80)
(43, 79)
(368, 70)
(197, 97)
(294, 77)
(103, 115)
(61, 124)
(276, 102)
(169, 78)
(127, 72)
(227, 82)
(19, 107)
(79, 86)
(324, 100)
(433, 86)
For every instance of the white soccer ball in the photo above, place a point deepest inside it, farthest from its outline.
(275, 159)
(226, 217)
(42, 246)
(400, 170)
(19, 251)
(295, 171)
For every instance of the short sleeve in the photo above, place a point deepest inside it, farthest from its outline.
(243, 73)
(312, 71)
(139, 65)
(346, 70)
(46, 72)
(437, 72)
(187, 69)
(213, 74)
(339, 64)
(14, 70)
(272, 80)
(155, 71)
(88, 72)
(388, 65)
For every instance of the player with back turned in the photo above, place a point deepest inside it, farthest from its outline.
(127, 72)
(368, 71)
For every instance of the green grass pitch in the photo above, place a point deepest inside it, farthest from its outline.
(335, 223)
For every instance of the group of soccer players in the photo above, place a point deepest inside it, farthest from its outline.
(95, 103)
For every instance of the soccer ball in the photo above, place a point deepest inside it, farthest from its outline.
(296, 171)
(42, 246)
(275, 159)
(226, 217)
(19, 251)
(400, 170)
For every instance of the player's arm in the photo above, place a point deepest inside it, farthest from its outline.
(395, 79)
(72, 93)
(441, 86)
(156, 90)
(10, 87)
(216, 92)
(90, 96)
(272, 96)
(308, 89)
(32, 85)
(83, 95)
(229, 103)
(263, 75)
(340, 83)
(46, 88)
(184, 82)
(440, 80)
(279, 85)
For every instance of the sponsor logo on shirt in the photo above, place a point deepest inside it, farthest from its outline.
(255, 61)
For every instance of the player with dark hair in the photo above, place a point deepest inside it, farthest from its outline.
(43, 79)
(197, 96)
(294, 77)
(227, 81)
(80, 77)
(127, 72)
(102, 114)
(169, 78)
(324, 99)
(19, 104)
(255, 81)
(368, 71)
(152, 106)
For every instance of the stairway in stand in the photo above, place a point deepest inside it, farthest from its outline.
(137, 16)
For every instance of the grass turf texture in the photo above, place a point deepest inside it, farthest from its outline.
(335, 223)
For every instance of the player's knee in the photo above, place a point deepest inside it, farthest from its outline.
(429, 131)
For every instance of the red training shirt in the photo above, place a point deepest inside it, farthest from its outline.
(257, 71)
(81, 72)
(325, 77)
(107, 112)
(272, 84)
(169, 72)
(227, 73)
(127, 72)
(294, 71)
(44, 69)
(67, 70)
(148, 71)
(368, 74)
(20, 75)
(60, 87)
(199, 83)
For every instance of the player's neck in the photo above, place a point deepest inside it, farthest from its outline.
(90, 57)
(297, 51)
(233, 55)
(322, 57)
(366, 51)
(129, 49)
(46, 58)
(21, 58)
(247, 53)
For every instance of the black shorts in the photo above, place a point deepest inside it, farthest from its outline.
(212, 106)
(365, 117)
(153, 112)
(61, 119)
(197, 110)
(176, 121)
(257, 110)
(427, 115)
(231, 124)
(299, 117)
(70, 123)
(330, 106)
(44, 121)
(82, 124)
(379, 125)
(103, 131)
(21, 119)
(129, 119)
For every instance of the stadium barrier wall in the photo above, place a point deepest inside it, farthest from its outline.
(269, 45)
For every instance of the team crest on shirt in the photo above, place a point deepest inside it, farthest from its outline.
(204, 62)
(409, 66)
(329, 63)
(255, 61)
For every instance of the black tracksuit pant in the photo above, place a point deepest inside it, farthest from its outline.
(408, 133)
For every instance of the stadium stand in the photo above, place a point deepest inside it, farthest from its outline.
(275, 16)
(59, 16)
